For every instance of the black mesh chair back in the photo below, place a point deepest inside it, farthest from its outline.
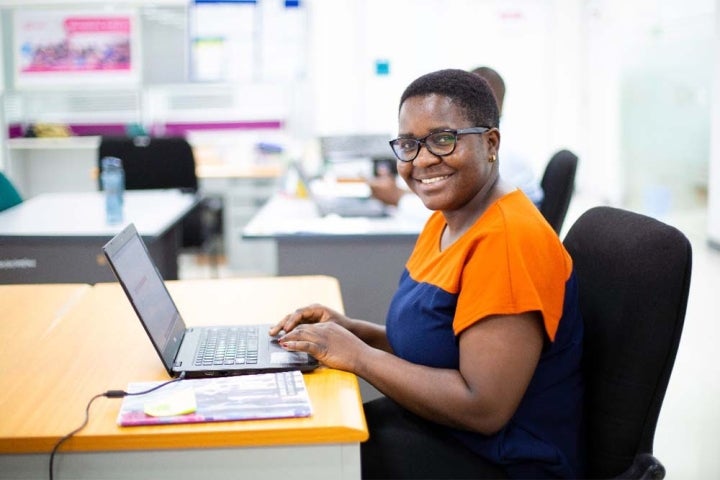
(634, 278)
(165, 162)
(150, 163)
(558, 183)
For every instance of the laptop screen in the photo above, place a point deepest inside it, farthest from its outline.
(136, 272)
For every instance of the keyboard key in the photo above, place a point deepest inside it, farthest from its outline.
(227, 346)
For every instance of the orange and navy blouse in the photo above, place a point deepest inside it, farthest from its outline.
(509, 262)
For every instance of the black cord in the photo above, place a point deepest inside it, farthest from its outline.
(108, 394)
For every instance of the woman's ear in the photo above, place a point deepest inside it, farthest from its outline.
(493, 142)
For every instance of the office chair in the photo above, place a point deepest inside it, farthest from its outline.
(168, 162)
(9, 196)
(634, 276)
(558, 183)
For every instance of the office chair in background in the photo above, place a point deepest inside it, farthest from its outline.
(169, 162)
(634, 279)
(9, 195)
(558, 183)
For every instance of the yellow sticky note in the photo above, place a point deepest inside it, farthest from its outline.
(301, 190)
(178, 402)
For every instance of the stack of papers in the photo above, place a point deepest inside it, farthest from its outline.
(217, 399)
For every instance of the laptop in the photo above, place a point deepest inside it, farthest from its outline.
(238, 349)
(350, 204)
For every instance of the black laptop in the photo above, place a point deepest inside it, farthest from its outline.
(340, 205)
(196, 351)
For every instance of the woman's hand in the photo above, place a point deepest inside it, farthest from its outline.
(331, 337)
(314, 313)
(384, 187)
(330, 343)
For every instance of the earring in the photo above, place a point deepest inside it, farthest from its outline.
(492, 159)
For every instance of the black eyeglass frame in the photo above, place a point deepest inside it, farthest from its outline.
(423, 141)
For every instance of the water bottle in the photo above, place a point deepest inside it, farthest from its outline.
(112, 177)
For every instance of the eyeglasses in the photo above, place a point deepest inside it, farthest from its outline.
(440, 143)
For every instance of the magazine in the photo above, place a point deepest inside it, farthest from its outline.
(217, 399)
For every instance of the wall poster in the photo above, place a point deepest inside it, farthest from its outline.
(73, 47)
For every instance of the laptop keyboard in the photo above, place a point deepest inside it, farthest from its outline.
(227, 346)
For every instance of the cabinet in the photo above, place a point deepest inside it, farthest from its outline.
(44, 165)
(243, 191)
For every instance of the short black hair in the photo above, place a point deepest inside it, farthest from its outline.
(467, 90)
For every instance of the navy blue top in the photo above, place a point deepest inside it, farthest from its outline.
(543, 439)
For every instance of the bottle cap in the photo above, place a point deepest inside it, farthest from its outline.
(111, 162)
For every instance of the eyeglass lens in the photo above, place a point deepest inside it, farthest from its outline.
(439, 143)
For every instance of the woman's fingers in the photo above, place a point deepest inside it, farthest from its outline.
(310, 314)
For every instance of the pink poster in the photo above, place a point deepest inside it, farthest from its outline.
(74, 47)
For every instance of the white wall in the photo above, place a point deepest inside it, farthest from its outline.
(3, 128)
(570, 68)
(3, 123)
(587, 75)
(534, 45)
(713, 228)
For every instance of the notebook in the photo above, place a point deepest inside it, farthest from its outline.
(218, 399)
(196, 351)
(341, 205)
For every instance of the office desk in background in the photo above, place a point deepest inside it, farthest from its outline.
(57, 237)
(86, 340)
(243, 188)
(367, 255)
(51, 165)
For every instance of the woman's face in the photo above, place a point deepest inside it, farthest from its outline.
(451, 182)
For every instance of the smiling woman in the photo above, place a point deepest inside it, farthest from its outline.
(454, 166)
(480, 357)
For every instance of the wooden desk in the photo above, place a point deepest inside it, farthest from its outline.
(99, 345)
(30, 312)
(57, 237)
(223, 171)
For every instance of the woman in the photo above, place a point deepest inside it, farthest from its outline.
(480, 356)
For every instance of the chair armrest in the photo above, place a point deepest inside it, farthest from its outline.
(644, 467)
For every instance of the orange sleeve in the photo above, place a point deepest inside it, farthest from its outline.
(518, 266)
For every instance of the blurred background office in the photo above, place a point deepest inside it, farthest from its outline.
(630, 87)
(611, 80)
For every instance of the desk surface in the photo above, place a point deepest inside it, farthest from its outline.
(286, 216)
(29, 313)
(86, 340)
(83, 214)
